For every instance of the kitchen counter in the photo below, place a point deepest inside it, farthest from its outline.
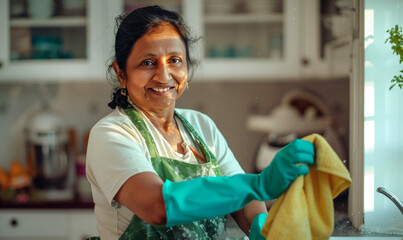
(72, 204)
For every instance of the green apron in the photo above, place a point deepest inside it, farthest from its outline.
(176, 171)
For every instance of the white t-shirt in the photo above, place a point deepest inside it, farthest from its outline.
(116, 151)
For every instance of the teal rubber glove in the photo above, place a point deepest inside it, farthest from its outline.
(286, 166)
(208, 197)
(256, 227)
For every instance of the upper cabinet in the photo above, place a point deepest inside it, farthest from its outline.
(246, 40)
(53, 40)
(241, 40)
(238, 40)
(326, 36)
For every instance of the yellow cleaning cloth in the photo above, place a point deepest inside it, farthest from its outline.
(305, 210)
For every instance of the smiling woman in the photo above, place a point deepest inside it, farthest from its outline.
(159, 172)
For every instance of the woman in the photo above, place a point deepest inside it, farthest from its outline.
(158, 172)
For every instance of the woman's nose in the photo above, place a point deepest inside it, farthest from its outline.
(163, 73)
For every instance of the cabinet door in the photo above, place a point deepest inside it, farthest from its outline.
(52, 40)
(82, 224)
(246, 40)
(33, 224)
(325, 48)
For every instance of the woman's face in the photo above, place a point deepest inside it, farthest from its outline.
(156, 69)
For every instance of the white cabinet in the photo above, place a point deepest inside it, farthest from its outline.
(64, 45)
(263, 40)
(326, 38)
(47, 224)
(240, 40)
(33, 224)
(82, 224)
(246, 40)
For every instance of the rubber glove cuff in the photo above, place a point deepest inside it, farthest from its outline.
(256, 227)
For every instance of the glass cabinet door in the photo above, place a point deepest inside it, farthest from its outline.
(335, 28)
(244, 29)
(47, 29)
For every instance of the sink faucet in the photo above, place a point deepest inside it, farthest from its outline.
(392, 197)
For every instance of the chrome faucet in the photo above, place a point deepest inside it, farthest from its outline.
(392, 197)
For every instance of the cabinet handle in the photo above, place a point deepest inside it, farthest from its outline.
(14, 222)
(305, 61)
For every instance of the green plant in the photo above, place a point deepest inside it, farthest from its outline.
(396, 39)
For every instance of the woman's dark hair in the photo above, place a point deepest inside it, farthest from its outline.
(131, 27)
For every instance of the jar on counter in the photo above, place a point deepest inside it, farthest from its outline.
(83, 186)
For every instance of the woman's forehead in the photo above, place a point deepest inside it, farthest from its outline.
(164, 37)
(162, 31)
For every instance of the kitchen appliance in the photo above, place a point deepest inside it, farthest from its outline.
(299, 114)
(49, 157)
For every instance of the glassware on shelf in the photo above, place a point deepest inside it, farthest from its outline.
(213, 7)
(244, 29)
(48, 29)
(73, 8)
(275, 45)
(264, 6)
(47, 43)
(40, 9)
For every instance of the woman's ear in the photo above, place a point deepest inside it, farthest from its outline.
(121, 75)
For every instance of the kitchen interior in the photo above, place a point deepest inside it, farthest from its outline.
(269, 71)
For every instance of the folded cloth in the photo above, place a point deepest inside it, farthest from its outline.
(305, 210)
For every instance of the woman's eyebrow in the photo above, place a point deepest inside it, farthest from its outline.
(156, 55)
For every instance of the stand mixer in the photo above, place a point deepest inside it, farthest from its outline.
(48, 156)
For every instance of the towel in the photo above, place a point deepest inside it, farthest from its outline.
(305, 210)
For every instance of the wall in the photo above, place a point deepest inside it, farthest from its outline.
(228, 104)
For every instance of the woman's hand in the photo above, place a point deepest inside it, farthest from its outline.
(287, 165)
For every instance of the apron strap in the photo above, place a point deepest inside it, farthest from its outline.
(141, 126)
(138, 121)
(206, 151)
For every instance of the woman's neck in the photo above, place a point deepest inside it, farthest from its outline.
(166, 124)
(162, 119)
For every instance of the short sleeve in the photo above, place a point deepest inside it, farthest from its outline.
(115, 153)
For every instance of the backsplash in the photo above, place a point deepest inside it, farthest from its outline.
(227, 103)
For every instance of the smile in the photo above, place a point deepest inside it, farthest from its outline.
(161, 89)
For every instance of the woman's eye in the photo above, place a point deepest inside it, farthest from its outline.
(147, 63)
(175, 60)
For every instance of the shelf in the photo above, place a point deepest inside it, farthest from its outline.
(244, 18)
(52, 22)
